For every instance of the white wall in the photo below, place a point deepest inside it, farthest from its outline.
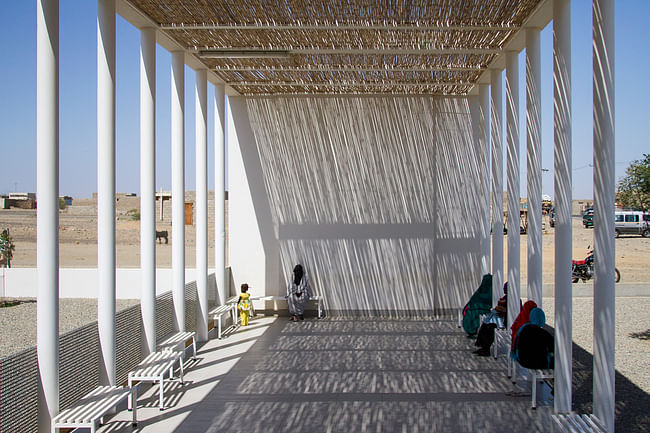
(82, 283)
(376, 196)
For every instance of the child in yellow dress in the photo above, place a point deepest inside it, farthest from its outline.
(244, 305)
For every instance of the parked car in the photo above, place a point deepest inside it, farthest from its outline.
(632, 222)
(588, 218)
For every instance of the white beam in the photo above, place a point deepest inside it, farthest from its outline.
(347, 68)
(47, 214)
(219, 192)
(106, 188)
(201, 144)
(563, 231)
(178, 187)
(512, 138)
(604, 193)
(497, 181)
(437, 27)
(240, 51)
(148, 186)
(534, 165)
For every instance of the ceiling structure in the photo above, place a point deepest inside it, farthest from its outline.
(440, 47)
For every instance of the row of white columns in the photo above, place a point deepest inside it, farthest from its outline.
(604, 194)
(47, 189)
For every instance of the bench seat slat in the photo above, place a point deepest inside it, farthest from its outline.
(92, 406)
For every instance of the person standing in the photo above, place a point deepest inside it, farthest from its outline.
(298, 293)
(244, 305)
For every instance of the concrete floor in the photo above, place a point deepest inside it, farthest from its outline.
(340, 375)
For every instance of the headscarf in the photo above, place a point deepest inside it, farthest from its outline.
(537, 317)
(522, 319)
(297, 274)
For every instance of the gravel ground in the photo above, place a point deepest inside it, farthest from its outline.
(632, 334)
(18, 323)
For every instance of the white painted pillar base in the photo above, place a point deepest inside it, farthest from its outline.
(178, 188)
(563, 231)
(148, 186)
(106, 188)
(604, 193)
(47, 214)
(219, 193)
(201, 103)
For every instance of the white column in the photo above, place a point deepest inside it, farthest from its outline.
(148, 186)
(106, 188)
(534, 164)
(497, 182)
(178, 188)
(563, 232)
(604, 193)
(47, 215)
(201, 100)
(220, 192)
(484, 147)
(512, 139)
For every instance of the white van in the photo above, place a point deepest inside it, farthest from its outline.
(632, 222)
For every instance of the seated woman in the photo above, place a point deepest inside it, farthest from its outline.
(522, 318)
(479, 303)
(496, 319)
(534, 345)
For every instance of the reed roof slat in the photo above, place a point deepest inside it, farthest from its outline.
(344, 46)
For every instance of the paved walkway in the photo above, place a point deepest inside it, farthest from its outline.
(339, 375)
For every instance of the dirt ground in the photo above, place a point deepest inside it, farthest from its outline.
(78, 243)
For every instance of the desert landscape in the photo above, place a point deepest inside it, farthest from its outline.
(78, 242)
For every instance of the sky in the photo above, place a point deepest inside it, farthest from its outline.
(78, 101)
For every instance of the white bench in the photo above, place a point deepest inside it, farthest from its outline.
(153, 369)
(219, 312)
(536, 375)
(574, 423)
(177, 339)
(90, 410)
(275, 300)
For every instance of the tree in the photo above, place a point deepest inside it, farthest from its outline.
(634, 187)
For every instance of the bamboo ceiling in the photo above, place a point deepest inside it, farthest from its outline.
(342, 46)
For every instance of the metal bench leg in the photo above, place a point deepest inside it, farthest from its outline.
(320, 309)
(134, 394)
(161, 391)
(130, 400)
(534, 377)
(194, 347)
(219, 332)
(181, 364)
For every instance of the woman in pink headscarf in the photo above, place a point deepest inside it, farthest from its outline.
(521, 320)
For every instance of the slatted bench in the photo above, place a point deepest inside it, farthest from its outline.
(153, 369)
(275, 300)
(90, 410)
(219, 312)
(177, 339)
(574, 423)
(535, 376)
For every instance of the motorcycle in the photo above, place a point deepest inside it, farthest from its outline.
(584, 269)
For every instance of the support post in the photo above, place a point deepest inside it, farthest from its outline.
(484, 149)
(563, 231)
(512, 138)
(148, 186)
(47, 215)
(178, 188)
(604, 194)
(201, 142)
(497, 182)
(534, 164)
(106, 188)
(220, 192)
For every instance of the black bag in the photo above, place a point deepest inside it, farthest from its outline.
(298, 294)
